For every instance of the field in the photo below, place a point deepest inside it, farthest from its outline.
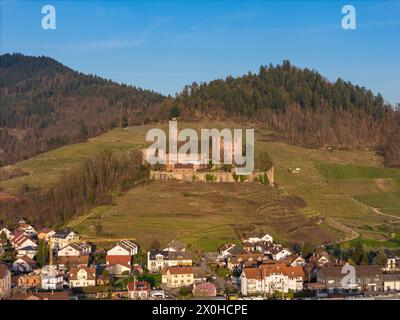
(202, 215)
(336, 196)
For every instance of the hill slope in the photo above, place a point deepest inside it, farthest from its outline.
(44, 105)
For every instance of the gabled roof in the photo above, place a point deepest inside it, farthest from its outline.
(178, 270)
(176, 245)
(281, 268)
(28, 260)
(91, 273)
(252, 273)
(62, 233)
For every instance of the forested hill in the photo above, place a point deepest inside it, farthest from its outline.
(44, 105)
(299, 104)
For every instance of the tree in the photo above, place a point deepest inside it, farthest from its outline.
(175, 112)
(155, 245)
(43, 253)
(381, 257)
(358, 253)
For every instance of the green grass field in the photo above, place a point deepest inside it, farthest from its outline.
(339, 185)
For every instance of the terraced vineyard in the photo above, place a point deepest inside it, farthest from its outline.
(333, 191)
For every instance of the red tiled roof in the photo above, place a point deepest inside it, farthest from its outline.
(179, 270)
(138, 286)
(91, 272)
(124, 260)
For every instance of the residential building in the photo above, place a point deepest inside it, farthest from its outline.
(75, 249)
(392, 263)
(24, 264)
(175, 246)
(118, 265)
(29, 251)
(229, 249)
(22, 241)
(62, 238)
(158, 260)
(45, 234)
(67, 262)
(391, 281)
(82, 277)
(51, 278)
(271, 278)
(294, 260)
(6, 232)
(31, 280)
(175, 277)
(28, 230)
(258, 237)
(367, 278)
(5, 281)
(138, 290)
(246, 260)
(124, 248)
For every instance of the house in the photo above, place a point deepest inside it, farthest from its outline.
(279, 253)
(175, 246)
(53, 295)
(319, 259)
(6, 232)
(204, 289)
(138, 290)
(124, 248)
(5, 281)
(391, 281)
(30, 251)
(21, 241)
(31, 280)
(62, 238)
(392, 263)
(158, 260)
(294, 260)
(200, 274)
(175, 277)
(75, 249)
(28, 230)
(73, 261)
(258, 237)
(367, 278)
(245, 260)
(248, 246)
(24, 264)
(51, 278)
(117, 265)
(228, 249)
(270, 278)
(82, 277)
(45, 234)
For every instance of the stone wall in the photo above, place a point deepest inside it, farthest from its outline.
(211, 176)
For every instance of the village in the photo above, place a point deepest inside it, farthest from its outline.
(52, 264)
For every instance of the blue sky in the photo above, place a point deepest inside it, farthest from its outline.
(164, 45)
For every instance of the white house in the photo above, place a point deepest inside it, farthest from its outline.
(75, 249)
(281, 254)
(175, 246)
(62, 238)
(259, 237)
(51, 278)
(158, 260)
(270, 278)
(227, 250)
(22, 241)
(23, 264)
(124, 248)
(30, 251)
(82, 276)
(391, 281)
(28, 230)
(6, 232)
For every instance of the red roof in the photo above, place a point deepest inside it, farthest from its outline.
(138, 286)
(124, 260)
